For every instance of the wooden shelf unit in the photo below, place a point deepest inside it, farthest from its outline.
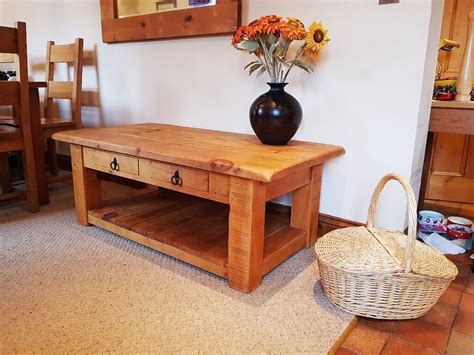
(192, 229)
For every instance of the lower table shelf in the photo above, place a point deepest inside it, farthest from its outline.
(192, 229)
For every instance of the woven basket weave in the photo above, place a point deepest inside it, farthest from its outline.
(382, 274)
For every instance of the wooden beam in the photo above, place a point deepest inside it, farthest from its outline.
(246, 234)
(87, 189)
(305, 210)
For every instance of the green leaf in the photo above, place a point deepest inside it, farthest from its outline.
(303, 66)
(282, 61)
(282, 47)
(250, 46)
(254, 67)
(261, 71)
(273, 48)
(251, 63)
(271, 38)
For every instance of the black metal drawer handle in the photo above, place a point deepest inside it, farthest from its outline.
(176, 179)
(114, 165)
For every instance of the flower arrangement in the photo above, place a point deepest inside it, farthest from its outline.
(270, 38)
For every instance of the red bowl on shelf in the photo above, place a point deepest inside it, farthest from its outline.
(460, 220)
(445, 96)
(459, 231)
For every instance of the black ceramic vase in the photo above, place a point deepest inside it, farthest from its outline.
(276, 115)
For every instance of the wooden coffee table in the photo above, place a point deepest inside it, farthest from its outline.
(211, 212)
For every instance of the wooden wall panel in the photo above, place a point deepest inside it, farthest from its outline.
(450, 153)
(454, 27)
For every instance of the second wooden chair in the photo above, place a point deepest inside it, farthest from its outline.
(69, 90)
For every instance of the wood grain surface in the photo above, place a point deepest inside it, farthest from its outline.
(223, 152)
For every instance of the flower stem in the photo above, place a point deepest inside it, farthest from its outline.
(269, 64)
(298, 54)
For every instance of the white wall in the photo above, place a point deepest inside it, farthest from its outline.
(369, 93)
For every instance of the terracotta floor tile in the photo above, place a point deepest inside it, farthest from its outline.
(387, 326)
(442, 314)
(430, 334)
(470, 287)
(424, 333)
(452, 295)
(366, 340)
(345, 351)
(467, 302)
(463, 271)
(464, 322)
(398, 346)
(460, 344)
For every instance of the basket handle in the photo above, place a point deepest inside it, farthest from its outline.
(412, 220)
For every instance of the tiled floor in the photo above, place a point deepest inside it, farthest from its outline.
(448, 328)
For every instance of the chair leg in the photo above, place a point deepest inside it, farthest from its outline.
(31, 184)
(52, 156)
(5, 178)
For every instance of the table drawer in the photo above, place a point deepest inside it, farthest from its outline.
(110, 162)
(162, 173)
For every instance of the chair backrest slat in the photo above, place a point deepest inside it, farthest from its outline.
(9, 40)
(65, 53)
(60, 89)
(9, 93)
(7, 58)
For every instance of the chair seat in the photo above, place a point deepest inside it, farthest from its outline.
(56, 123)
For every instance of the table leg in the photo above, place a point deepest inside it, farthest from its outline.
(87, 189)
(305, 206)
(246, 234)
(425, 175)
(43, 194)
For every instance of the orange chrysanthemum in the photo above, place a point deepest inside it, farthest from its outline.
(271, 24)
(293, 29)
(238, 36)
(253, 29)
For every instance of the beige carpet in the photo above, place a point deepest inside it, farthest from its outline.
(67, 288)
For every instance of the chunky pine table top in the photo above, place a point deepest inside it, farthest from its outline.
(223, 152)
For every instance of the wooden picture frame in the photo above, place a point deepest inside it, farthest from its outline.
(221, 18)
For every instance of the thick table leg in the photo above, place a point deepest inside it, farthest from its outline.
(87, 191)
(305, 206)
(246, 234)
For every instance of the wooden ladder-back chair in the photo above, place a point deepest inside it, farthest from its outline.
(15, 94)
(70, 90)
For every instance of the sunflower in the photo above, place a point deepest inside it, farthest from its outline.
(316, 39)
(253, 29)
(238, 36)
(271, 24)
(293, 29)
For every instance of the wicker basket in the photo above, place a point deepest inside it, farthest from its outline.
(382, 274)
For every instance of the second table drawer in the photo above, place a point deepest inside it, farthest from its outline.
(163, 172)
(110, 162)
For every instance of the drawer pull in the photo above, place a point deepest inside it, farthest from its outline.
(176, 179)
(114, 165)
